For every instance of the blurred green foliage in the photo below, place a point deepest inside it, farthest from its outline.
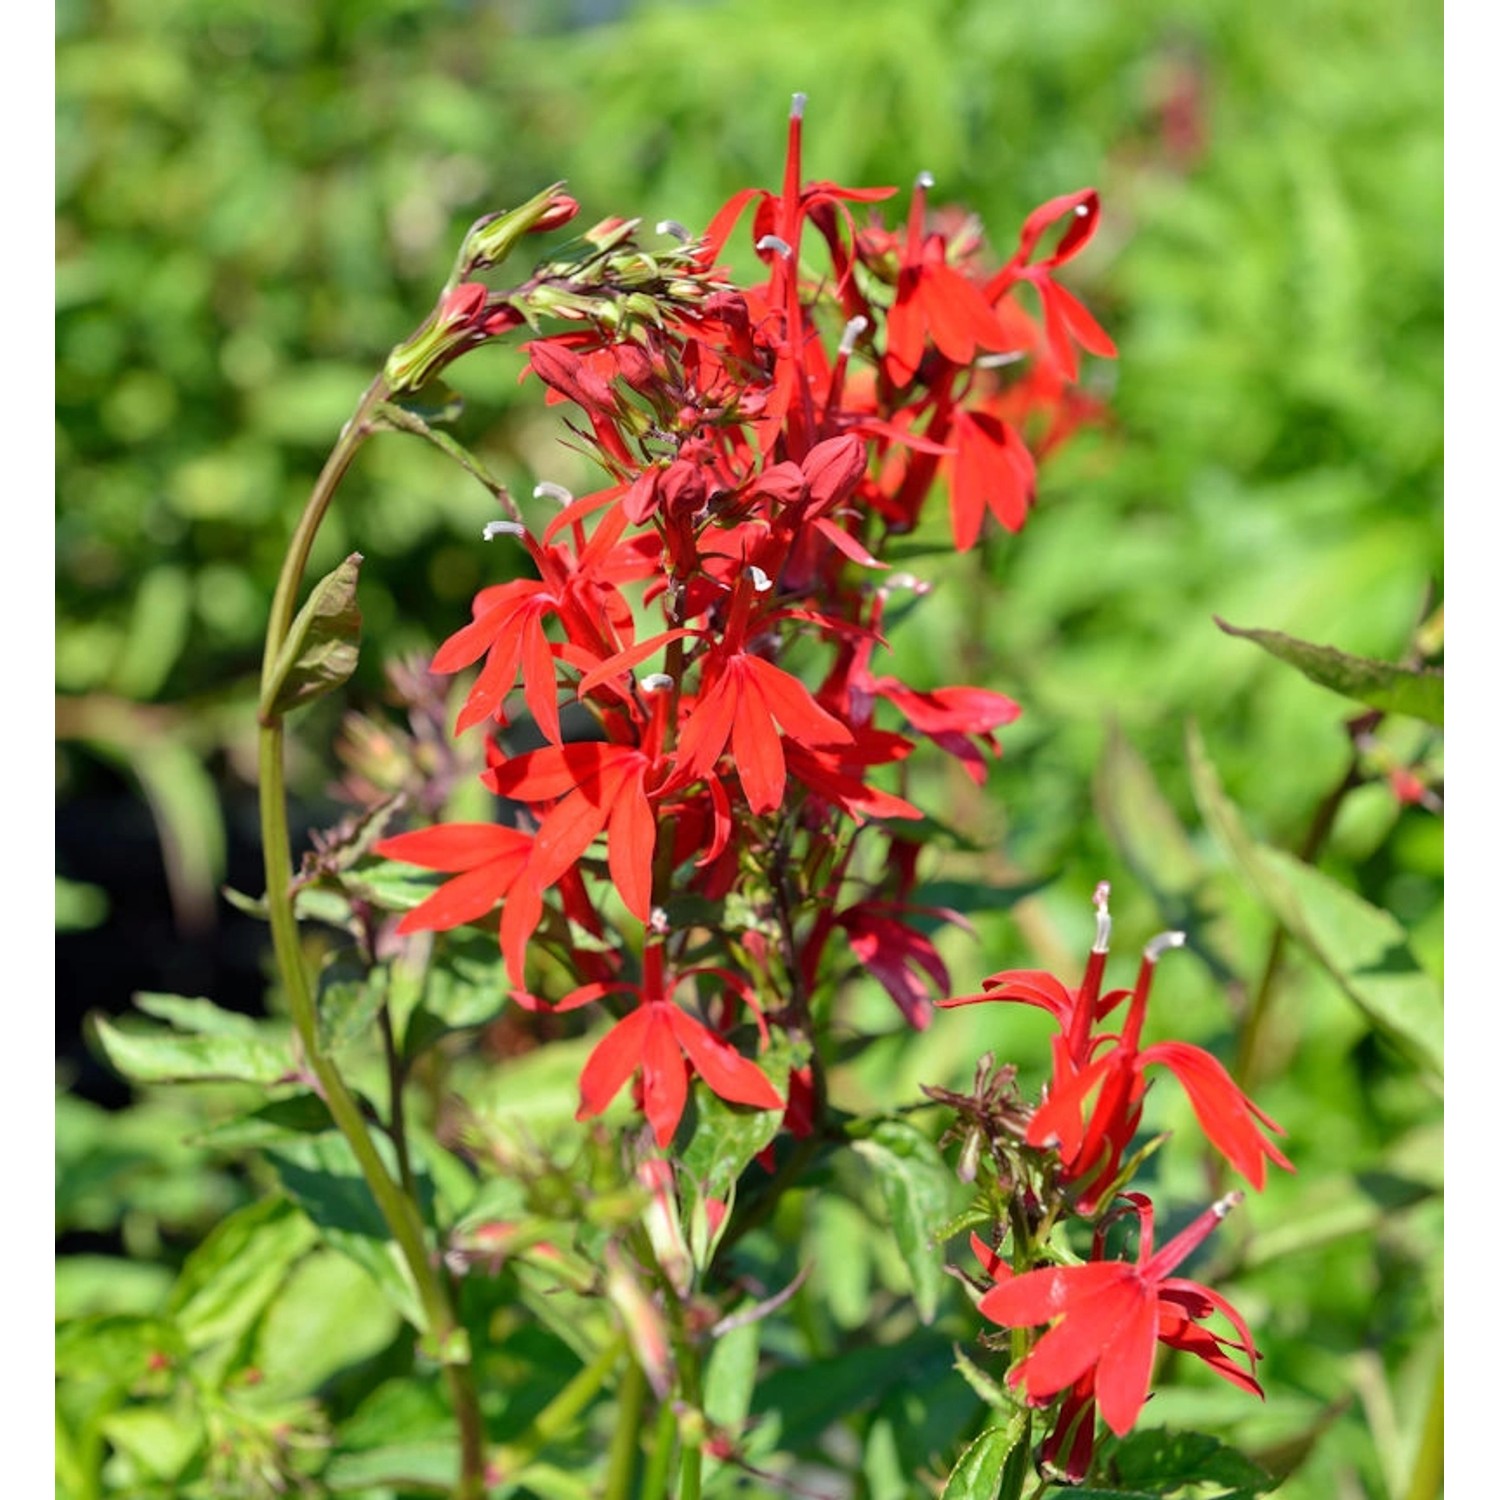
(256, 201)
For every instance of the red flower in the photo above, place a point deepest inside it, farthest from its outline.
(934, 300)
(1107, 1318)
(658, 1040)
(1093, 1103)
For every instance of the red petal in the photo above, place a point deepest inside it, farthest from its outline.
(616, 1057)
(1123, 1378)
(454, 846)
(724, 1070)
(664, 1075)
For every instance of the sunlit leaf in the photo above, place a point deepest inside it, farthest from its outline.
(322, 647)
(1377, 684)
(918, 1187)
(1362, 947)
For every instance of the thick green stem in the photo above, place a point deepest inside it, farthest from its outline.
(400, 1212)
(625, 1445)
(654, 1481)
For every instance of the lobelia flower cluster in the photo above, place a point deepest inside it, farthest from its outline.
(708, 835)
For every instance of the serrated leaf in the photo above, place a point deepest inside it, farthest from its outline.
(918, 1188)
(160, 1056)
(228, 1280)
(322, 648)
(1377, 684)
(1362, 947)
(976, 1475)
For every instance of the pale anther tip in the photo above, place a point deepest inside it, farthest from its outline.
(773, 242)
(926, 180)
(655, 682)
(759, 579)
(492, 529)
(676, 230)
(1082, 210)
(852, 330)
(1162, 942)
(799, 104)
(546, 490)
(1227, 1202)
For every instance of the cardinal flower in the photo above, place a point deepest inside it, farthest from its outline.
(1107, 1318)
(1093, 1103)
(658, 1041)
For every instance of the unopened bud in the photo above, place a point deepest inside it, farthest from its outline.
(491, 239)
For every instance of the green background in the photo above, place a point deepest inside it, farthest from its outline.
(255, 201)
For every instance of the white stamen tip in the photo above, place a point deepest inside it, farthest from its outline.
(656, 682)
(1082, 210)
(758, 579)
(492, 529)
(799, 103)
(659, 924)
(676, 230)
(852, 330)
(999, 361)
(774, 242)
(1227, 1202)
(546, 490)
(1162, 942)
(925, 180)
(908, 581)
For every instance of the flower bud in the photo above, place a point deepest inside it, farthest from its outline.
(491, 239)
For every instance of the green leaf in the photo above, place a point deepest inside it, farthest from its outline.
(156, 1441)
(985, 1386)
(321, 1175)
(976, 1475)
(1363, 948)
(349, 1000)
(228, 1280)
(202, 1017)
(426, 1467)
(1162, 1461)
(269, 1125)
(1378, 684)
(918, 1187)
(322, 648)
(115, 1349)
(160, 1056)
(322, 1321)
(728, 1385)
